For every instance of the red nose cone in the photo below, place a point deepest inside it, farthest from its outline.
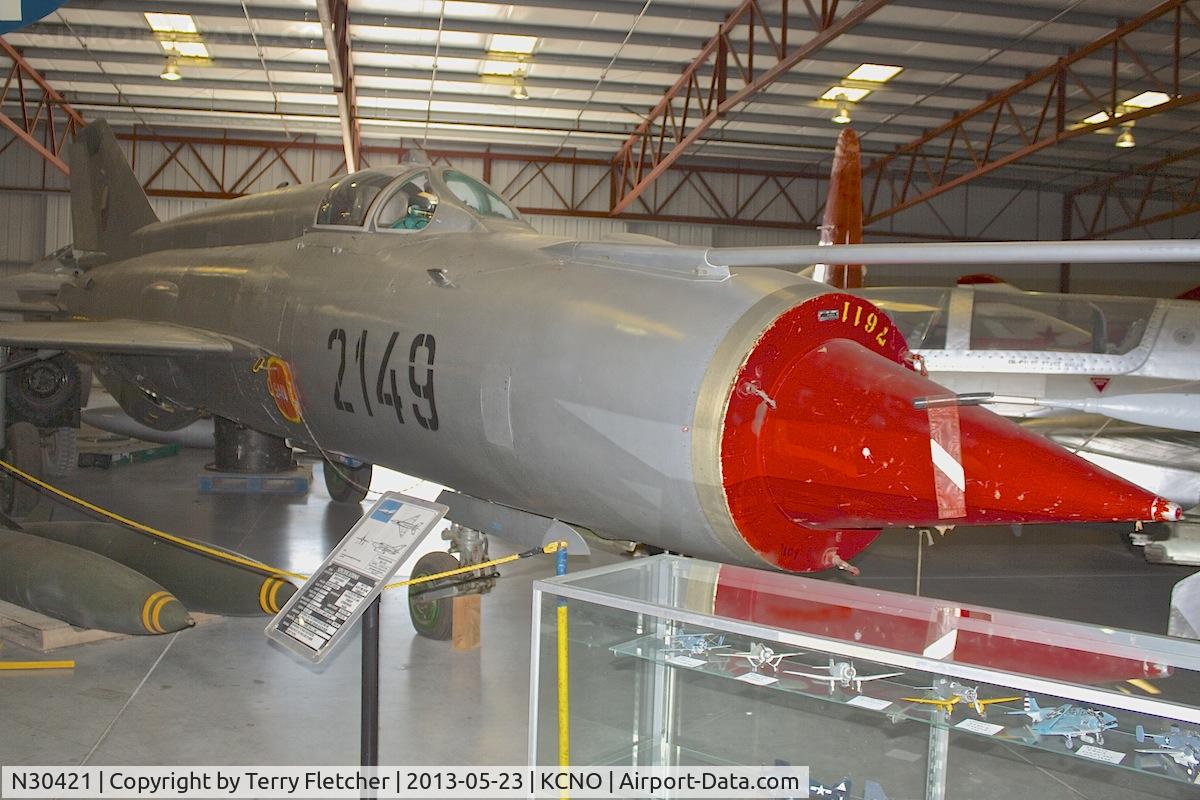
(824, 435)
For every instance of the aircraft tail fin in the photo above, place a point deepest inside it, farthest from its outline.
(843, 219)
(1140, 733)
(107, 201)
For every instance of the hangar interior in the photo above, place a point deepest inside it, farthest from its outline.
(709, 123)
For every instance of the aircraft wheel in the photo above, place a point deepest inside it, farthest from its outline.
(62, 452)
(347, 484)
(39, 391)
(24, 451)
(433, 619)
(1070, 745)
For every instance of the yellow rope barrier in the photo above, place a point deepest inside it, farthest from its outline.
(233, 558)
(553, 547)
(213, 552)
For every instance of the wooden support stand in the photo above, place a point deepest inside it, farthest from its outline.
(466, 621)
(35, 631)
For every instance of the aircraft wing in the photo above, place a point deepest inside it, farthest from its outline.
(873, 791)
(713, 263)
(934, 701)
(32, 307)
(115, 336)
(811, 675)
(1141, 443)
(991, 700)
(1043, 252)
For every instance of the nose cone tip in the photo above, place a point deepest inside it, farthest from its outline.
(1165, 511)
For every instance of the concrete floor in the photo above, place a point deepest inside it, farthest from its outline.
(222, 694)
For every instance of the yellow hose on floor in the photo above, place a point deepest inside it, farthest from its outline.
(14, 665)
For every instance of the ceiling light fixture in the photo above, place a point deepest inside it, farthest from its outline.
(503, 68)
(874, 73)
(519, 92)
(849, 93)
(171, 23)
(170, 72)
(842, 116)
(186, 49)
(1147, 100)
(512, 43)
(1097, 118)
(1125, 140)
(508, 54)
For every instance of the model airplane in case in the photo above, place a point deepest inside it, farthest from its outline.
(1068, 721)
(945, 694)
(1179, 745)
(842, 673)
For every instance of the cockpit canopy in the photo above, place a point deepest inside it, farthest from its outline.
(407, 200)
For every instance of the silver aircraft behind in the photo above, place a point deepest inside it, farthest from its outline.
(1134, 359)
(1116, 377)
(700, 400)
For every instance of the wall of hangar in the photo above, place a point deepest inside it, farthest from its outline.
(35, 210)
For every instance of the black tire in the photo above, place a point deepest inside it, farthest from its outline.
(85, 384)
(433, 619)
(23, 449)
(61, 454)
(40, 392)
(347, 484)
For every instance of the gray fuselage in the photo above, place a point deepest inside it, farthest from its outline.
(573, 388)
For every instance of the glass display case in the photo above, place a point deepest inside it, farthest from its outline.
(680, 662)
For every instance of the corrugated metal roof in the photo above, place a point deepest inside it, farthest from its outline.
(598, 66)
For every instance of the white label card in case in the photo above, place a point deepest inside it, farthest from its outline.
(686, 661)
(757, 680)
(979, 726)
(1100, 754)
(10, 10)
(873, 703)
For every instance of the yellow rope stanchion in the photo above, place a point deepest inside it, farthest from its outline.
(564, 693)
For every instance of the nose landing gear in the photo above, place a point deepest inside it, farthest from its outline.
(431, 605)
(347, 482)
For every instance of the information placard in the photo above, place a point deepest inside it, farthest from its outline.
(339, 591)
